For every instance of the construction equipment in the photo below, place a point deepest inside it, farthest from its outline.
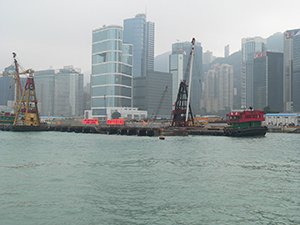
(26, 109)
(27, 113)
(16, 77)
(182, 115)
(161, 101)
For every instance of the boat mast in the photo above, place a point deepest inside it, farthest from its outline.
(190, 81)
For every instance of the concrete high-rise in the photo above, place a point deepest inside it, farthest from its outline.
(7, 86)
(250, 46)
(140, 33)
(176, 68)
(111, 79)
(268, 80)
(45, 89)
(288, 51)
(59, 93)
(207, 57)
(68, 96)
(183, 49)
(218, 91)
(296, 73)
(226, 51)
(153, 93)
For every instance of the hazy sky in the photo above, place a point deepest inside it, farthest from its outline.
(57, 33)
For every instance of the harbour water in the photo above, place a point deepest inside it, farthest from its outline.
(75, 178)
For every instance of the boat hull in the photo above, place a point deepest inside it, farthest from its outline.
(244, 132)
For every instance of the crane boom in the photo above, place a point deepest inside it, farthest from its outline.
(17, 71)
(18, 87)
(190, 81)
(161, 101)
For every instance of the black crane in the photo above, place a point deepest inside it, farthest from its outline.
(182, 115)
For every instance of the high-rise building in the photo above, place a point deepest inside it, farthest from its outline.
(45, 89)
(207, 57)
(176, 68)
(7, 86)
(218, 92)
(226, 51)
(140, 33)
(296, 73)
(288, 51)
(250, 46)
(111, 79)
(268, 80)
(59, 93)
(153, 93)
(209, 98)
(68, 96)
(183, 49)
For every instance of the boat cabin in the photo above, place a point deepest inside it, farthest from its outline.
(248, 118)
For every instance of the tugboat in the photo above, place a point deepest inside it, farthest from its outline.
(246, 123)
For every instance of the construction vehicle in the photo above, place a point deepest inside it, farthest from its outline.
(182, 115)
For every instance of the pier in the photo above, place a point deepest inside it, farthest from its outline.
(136, 130)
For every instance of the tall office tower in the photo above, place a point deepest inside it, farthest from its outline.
(45, 89)
(226, 51)
(183, 49)
(68, 94)
(7, 86)
(288, 68)
(250, 46)
(176, 68)
(153, 93)
(268, 80)
(218, 94)
(207, 57)
(210, 100)
(296, 73)
(140, 33)
(225, 87)
(111, 71)
(59, 93)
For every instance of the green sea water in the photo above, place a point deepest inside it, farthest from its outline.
(74, 178)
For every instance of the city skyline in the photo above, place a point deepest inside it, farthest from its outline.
(58, 33)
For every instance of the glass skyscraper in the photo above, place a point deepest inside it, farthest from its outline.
(289, 51)
(177, 71)
(267, 80)
(140, 33)
(296, 73)
(250, 46)
(111, 79)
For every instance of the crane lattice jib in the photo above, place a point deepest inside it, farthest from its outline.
(17, 85)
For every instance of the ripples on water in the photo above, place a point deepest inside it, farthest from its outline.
(67, 178)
